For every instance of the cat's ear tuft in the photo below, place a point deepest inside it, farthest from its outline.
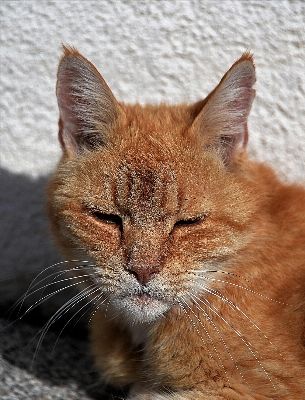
(222, 123)
(88, 109)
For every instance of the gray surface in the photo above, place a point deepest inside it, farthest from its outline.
(61, 367)
(63, 372)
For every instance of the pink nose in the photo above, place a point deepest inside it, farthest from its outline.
(143, 274)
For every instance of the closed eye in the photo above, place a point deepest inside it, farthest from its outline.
(109, 219)
(190, 221)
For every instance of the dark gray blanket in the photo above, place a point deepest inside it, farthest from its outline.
(62, 369)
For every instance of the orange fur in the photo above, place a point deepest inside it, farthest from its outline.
(198, 253)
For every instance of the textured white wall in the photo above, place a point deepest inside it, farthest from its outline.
(148, 51)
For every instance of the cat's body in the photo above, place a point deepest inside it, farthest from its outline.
(196, 253)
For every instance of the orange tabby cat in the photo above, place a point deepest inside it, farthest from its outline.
(194, 255)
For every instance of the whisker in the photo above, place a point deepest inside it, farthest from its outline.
(233, 306)
(218, 333)
(200, 336)
(44, 298)
(56, 265)
(93, 304)
(88, 304)
(95, 307)
(241, 287)
(59, 313)
(236, 331)
(221, 272)
(41, 301)
(56, 282)
(19, 303)
(55, 275)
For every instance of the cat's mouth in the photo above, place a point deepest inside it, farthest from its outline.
(143, 299)
(141, 307)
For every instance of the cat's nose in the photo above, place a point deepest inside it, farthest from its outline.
(143, 274)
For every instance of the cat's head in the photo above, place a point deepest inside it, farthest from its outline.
(152, 195)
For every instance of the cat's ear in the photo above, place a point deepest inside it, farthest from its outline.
(222, 122)
(88, 109)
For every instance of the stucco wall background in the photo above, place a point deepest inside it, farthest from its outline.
(147, 51)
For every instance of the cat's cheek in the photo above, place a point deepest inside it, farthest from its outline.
(94, 235)
(107, 240)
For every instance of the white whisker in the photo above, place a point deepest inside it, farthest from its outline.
(59, 313)
(209, 271)
(96, 306)
(240, 287)
(56, 282)
(246, 342)
(233, 306)
(55, 292)
(19, 303)
(200, 336)
(87, 304)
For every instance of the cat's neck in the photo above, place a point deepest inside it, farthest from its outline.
(139, 334)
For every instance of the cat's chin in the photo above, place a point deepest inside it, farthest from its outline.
(140, 309)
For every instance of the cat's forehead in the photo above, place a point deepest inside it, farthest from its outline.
(155, 179)
(144, 180)
(143, 190)
(156, 161)
(152, 164)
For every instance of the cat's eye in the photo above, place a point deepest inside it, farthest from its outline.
(190, 221)
(109, 219)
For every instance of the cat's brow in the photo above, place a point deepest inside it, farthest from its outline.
(144, 192)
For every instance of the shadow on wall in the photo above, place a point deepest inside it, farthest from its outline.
(25, 242)
(63, 358)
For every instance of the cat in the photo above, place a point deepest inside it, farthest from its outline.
(193, 254)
